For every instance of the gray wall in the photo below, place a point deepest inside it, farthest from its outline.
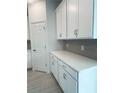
(90, 46)
(53, 43)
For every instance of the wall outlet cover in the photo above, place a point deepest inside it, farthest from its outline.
(67, 45)
(82, 48)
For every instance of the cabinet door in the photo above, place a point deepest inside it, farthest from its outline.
(62, 80)
(95, 21)
(72, 19)
(51, 63)
(63, 7)
(72, 84)
(61, 20)
(85, 19)
(59, 23)
(67, 83)
(54, 68)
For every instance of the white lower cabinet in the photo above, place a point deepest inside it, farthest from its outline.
(54, 67)
(67, 83)
(72, 80)
(71, 83)
(64, 78)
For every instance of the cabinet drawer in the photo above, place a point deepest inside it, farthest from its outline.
(72, 72)
(51, 57)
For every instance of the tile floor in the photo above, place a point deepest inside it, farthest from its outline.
(39, 82)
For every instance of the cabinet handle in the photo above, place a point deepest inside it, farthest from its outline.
(64, 76)
(64, 66)
(60, 35)
(76, 32)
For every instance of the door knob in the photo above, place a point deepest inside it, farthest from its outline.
(34, 50)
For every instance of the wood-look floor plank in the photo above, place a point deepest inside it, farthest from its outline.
(38, 82)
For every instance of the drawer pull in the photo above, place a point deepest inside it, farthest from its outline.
(64, 76)
(68, 69)
(64, 66)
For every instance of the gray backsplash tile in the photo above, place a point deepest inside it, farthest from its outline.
(90, 47)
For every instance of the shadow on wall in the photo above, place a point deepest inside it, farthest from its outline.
(90, 47)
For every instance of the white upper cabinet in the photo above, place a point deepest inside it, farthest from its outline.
(95, 21)
(85, 19)
(61, 20)
(59, 23)
(37, 11)
(72, 19)
(77, 19)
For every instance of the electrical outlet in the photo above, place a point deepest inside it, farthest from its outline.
(67, 45)
(82, 48)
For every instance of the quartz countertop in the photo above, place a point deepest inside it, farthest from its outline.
(75, 61)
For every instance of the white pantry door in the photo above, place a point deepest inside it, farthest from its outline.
(39, 46)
